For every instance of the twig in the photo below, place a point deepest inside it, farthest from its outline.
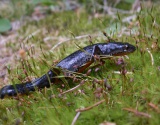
(114, 10)
(75, 118)
(152, 60)
(52, 38)
(137, 112)
(76, 38)
(90, 107)
(154, 107)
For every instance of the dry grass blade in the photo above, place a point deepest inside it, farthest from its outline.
(74, 88)
(32, 34)
(118, 72)
(137, 112)
(90, 107)
(76, 38)
(152, 59)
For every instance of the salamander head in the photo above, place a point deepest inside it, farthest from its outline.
(119, 49)
(7, 91)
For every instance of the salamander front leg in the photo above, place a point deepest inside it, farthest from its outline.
(96, 51)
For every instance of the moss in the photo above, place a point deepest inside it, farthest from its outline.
(131, 91)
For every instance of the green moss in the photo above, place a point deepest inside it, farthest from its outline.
(133, 91)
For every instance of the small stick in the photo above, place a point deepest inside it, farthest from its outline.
(137, 112)
(154, 107)
(152, 60)
(90, 107)
(53, 38)
(75, 118)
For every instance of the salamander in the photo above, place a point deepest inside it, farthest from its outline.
(76, 62)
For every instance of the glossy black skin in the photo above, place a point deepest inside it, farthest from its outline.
(25, 88)
(81, 57)
(72, 62)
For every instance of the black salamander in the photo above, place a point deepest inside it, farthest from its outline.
(76, 62)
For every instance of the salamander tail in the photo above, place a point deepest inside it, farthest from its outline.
(25, 88)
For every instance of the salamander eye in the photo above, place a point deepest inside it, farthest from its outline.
(125, 48)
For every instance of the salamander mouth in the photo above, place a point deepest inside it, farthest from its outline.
(124, 51)
(121, 53)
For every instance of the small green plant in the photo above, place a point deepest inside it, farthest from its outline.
(5, 25)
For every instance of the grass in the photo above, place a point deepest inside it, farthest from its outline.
(135, 92)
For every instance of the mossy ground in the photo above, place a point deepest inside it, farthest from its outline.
(134, 91)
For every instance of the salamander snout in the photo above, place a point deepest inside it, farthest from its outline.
(128, 48)
(121, 49)
(2, 93)
(7, 91)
